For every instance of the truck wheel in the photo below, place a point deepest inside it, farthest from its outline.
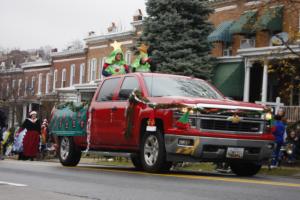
(245, 169)
(69, 154)
(153, 153)
(136, 161)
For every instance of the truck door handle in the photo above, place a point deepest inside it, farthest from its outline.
(114, 108)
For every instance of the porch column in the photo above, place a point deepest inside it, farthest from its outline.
(264, 89)
(10, 117)
(247, 80)
(24, 112)
(30, 107)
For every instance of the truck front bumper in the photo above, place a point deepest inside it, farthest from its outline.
(197, 148)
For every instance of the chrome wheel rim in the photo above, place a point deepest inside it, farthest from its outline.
(64, 148)
(151, 150)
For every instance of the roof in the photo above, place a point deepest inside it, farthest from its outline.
(68, 53)
(100, 38)
(35, 64)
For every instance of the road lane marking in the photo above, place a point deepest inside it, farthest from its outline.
(197, 177)
(12, 184)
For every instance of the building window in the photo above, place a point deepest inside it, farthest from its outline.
(72, 75)
(299, 22)
(128, 57)
(47, 83)
(40, 84)
(19, 86)
(26, 85)
(63, 78)
(32, 85)
(54, 79)
(101, 67)
(88, 71)
(247, 43)
(7, 90)
(81, 75)
(93, 69)
(13, 84)
(227, 51)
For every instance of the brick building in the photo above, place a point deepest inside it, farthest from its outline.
(37, 93)
(244, 45)
(26, 88)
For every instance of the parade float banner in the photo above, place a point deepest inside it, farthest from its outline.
(69, 119)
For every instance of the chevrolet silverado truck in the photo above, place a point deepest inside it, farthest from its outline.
(216, 129)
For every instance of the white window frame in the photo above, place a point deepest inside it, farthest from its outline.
(93, 70)
(63, 77)
(32, 84)
(82, 73)
(102, 63)
(88, 71)
(47, 83)
(250, 41)
(299, 22)
(26, 85)
(19, 86)
(13, 84)
(7, 89)
(40, 84)
(72, 74)
(54, 80)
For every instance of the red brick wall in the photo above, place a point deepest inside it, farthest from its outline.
(65, 63)
(29, 73)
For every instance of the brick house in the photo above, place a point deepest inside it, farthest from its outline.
(69, 70)
(37, 91)
(244, 44)
(10, 89)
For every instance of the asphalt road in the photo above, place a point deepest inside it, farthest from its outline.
(34, 180)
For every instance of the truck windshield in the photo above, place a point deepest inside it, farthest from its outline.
(159, 86)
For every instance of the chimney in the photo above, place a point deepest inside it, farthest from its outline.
(91, 33)
(112, 28)
(138, 15)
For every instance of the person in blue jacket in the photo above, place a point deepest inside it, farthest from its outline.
(278, 134)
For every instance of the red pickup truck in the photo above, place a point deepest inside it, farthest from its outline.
(218, 129)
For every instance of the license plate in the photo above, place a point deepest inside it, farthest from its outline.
(235, 152)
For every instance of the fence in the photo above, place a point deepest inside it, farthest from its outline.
(292, 113)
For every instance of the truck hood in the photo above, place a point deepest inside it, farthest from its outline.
(208, 103)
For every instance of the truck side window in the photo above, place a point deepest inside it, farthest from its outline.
(129, 84)
(107, 90)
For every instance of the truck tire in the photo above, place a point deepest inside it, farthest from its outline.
(136, 161)
(153, 153)
(245, 169)
(69, 154)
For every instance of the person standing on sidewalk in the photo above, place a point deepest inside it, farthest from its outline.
(279, 134)
(32, 137)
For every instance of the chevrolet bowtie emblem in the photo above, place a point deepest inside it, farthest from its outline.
(234, 119)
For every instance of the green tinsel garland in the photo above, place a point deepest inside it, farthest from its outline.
(136, 98)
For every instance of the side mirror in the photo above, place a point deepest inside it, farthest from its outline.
(124, 94)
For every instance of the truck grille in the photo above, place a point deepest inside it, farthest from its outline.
(225, 125)
(220, 123)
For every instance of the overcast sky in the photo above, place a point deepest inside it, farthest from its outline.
(28, 24)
